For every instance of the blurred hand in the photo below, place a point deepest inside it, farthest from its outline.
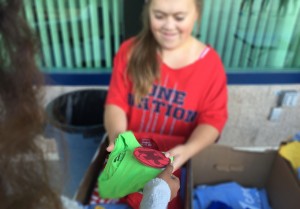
(110, 147)
(180, 154)
(171, 180)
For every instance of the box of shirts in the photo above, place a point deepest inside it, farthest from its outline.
(226, 177)
(88, 192)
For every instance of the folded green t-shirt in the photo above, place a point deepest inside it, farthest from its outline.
(123, 173)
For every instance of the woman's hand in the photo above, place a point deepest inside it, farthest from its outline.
(180, 154)
(110, 147)
(115, 122)
(202, 136)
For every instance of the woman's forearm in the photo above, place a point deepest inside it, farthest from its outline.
(202, 136)
(115, 121)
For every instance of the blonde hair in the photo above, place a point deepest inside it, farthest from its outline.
(144, 66)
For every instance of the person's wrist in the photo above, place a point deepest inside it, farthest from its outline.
(190, 149)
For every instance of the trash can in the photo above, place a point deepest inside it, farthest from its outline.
(75, 120)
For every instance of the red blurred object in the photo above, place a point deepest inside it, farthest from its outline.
(151, 157)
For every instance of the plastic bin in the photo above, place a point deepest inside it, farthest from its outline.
(76, 122)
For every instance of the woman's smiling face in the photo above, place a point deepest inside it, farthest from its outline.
(172, 21)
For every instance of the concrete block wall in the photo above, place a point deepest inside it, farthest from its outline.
(249, 108)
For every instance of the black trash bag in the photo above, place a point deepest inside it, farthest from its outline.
(78, 112)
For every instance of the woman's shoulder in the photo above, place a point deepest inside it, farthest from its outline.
(204, 49)
(127, 44)
(209, 60)
(203, 54)
(125, 49)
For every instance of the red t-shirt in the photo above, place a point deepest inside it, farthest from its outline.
(182, 99)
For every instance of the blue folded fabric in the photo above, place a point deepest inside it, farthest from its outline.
(231, 194)
(218, 205)
(195, 203)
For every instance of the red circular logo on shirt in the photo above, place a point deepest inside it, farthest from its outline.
(151, 157)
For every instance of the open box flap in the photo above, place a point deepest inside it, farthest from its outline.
(89, 180)
(222, 164)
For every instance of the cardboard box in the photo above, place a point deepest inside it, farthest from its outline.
(87, 185)
(219, 164)
(90, 178)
